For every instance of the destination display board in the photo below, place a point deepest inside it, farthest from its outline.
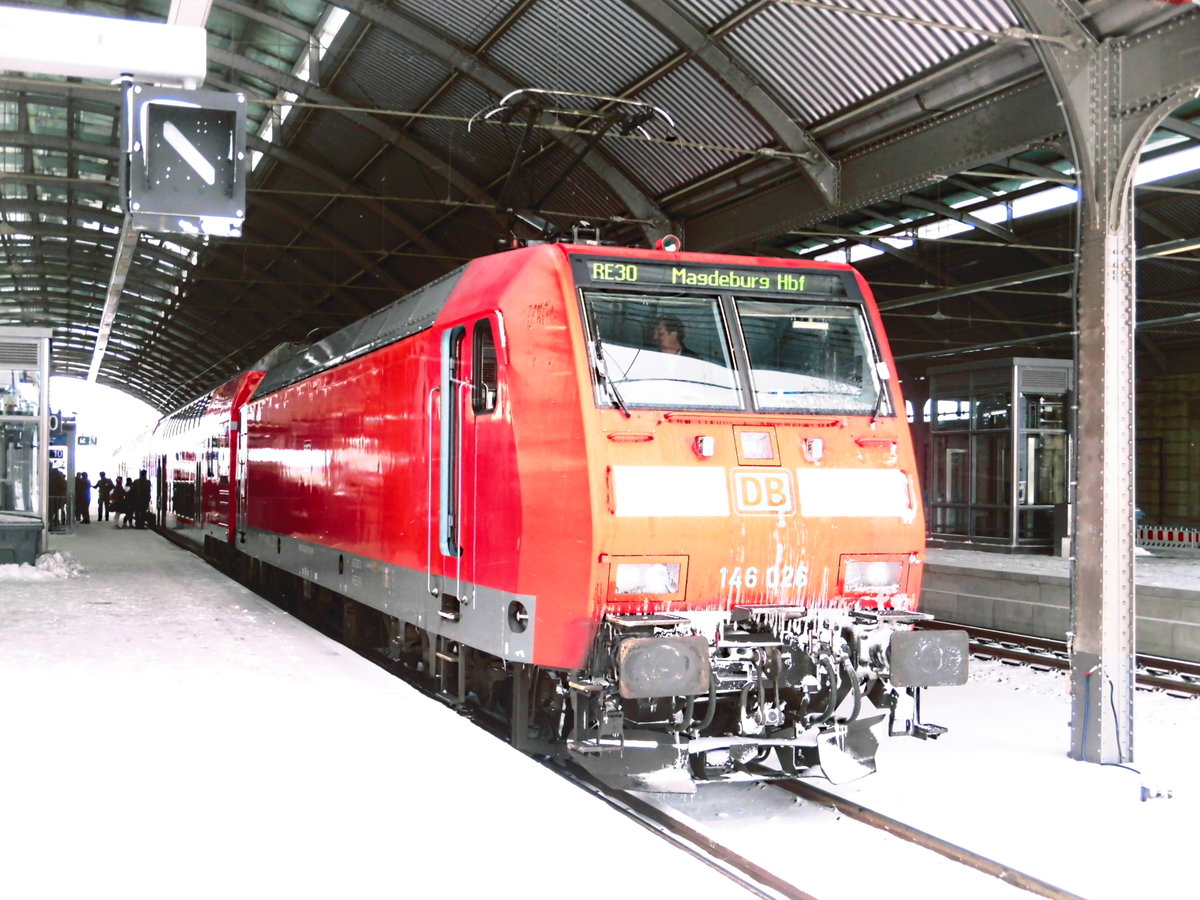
(594, 271)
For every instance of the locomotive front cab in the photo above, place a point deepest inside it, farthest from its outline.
(760, 529)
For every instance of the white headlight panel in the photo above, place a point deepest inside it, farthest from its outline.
(647, 578)
(873, 576)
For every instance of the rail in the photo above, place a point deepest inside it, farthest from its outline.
(1175, 676)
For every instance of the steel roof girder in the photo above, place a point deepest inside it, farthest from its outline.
(123, 255)
(63, 263)
(958, 215)
(1157, 64)
(1181, 127)
(879, 243)
(999, 126)
(28, 141)
(810, 156)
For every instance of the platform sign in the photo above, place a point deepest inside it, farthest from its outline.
(184, 165)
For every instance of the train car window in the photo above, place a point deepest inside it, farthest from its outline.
(660, 352)
(810, 358)
(485, 373)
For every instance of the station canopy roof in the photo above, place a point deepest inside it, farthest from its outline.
(920, 139)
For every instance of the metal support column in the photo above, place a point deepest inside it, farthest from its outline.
(1102, 584)
(1113, 94)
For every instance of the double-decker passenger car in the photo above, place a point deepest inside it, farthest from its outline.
(658, 509)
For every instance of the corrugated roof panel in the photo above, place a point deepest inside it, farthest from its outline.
(483, 152)
(466, 22)
(822, 61)
(395, 175)
(746, 179)
(332, 140)
(986, 15)
(386, 72)
(710, 13)
(705, 113)
(553, 45)
(583, 195)
(1179, 215)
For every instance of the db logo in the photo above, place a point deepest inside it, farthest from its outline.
(763, 492)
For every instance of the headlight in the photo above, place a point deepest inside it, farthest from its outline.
(872, 576)
(647, 578)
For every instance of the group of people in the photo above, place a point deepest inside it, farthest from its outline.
(126, 501)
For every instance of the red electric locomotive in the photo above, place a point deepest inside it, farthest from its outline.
(659, 508)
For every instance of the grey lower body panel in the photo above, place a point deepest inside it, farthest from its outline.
(480, 617)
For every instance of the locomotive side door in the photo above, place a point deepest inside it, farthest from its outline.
(451, 556)
(238, 492)
(466, 394)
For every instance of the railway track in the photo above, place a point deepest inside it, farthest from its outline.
(927, 841)
(1177, 677)
(755, 875)
(740, 869)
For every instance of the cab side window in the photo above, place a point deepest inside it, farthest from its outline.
(484, 368)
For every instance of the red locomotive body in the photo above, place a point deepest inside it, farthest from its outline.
(659, 508)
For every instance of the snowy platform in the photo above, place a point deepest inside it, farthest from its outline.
(168, 734)
(1029, 594)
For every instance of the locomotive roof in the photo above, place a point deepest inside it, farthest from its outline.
(410, 314)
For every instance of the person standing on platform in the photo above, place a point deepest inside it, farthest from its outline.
(83, 490)
(58, 498)
(119, 502)
(140, 493)
(104, 498)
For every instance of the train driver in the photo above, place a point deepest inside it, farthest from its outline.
(668, 336)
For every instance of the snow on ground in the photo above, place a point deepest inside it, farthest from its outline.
(1001, 783)
(168, 734)
(48, 567)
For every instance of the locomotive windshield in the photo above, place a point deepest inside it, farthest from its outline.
(660, 351)
(809, 357)
(667, 351)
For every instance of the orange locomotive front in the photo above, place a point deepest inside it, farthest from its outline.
(757, 527)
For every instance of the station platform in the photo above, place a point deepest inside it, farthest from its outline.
(166, 733)
(1028, 594)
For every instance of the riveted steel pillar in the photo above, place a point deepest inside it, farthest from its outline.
(1112, 94)
(1102, 584)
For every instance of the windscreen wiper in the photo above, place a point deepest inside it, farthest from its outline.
(879, 401)
(609, 384)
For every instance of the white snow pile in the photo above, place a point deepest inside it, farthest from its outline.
(48, 567)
